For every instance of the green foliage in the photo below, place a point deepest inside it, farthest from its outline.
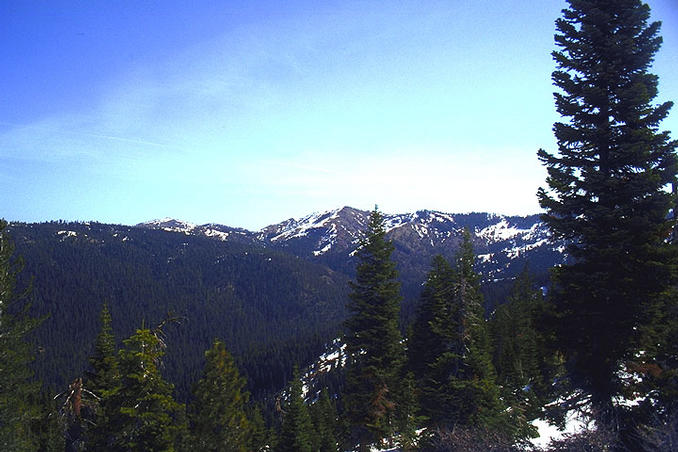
(102, 381)
(146, 418)
(48, 428)
(516, 339)
(408, 421)
(324, 416)
(433, 326)
(261, 437)
(607, 195)
(272, 309)
(373, 341)
(296, 430)
(450, 349)
(217, 412)
(17, 390)
(524, 364)
(104, 361)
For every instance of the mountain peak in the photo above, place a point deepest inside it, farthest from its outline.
(498, 239)
(169, 224)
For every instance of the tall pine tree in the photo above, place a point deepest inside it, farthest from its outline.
(324, 416)
(607, 195)
(373, 341)
(525, 366)
(102, 380)
(146, 416)
(296, 430)
(105, 370)
(451, 351)
(433, 333)
(217, 413)
(17, 390)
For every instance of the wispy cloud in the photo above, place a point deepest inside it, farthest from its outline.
(54, 130)
(59, 138)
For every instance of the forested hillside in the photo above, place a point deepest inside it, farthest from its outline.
(270, 295)
(272, 309)
(505, 244)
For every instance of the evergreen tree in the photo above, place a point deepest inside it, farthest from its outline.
(373, 342)
(261, 437)
(217, 413)
(103, 380)
(324, 416)
(518, 345)
(296, 430)
(147, 418)
(17, 390)
(607, 195)
(436, 304)
(105, 370)
(520, 357)
(49, 428)
(663, 376)
(455, 373)
(408, 422)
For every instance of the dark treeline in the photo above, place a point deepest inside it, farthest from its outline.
(272, 309)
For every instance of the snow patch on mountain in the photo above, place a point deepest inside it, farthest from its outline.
(299, 228)
(327, 240)
(333, 358)
(485, 257)
(518, 250)
(393, 222)
(170, 225)
(501, 231)
(497, 238)
(215, 233)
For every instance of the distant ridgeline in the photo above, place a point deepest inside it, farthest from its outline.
(274, 296)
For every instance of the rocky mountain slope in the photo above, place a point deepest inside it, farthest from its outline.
(504, 244)
(499, 240)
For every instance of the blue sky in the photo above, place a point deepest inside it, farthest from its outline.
(250, 112)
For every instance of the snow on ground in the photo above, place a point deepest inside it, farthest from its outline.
(574, 423)
(323, 250)
(503, 230)
(378, 449)
(209, 232)
(499, 231)
(326, 242)
(395, 221)
(333, 358)
(516, 251)
(171, 225)
(299, 228)
(417, 219)
(485, 257)
(441, 217)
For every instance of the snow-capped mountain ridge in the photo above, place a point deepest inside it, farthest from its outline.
(499, 240)
(170, 225)
(433, 226)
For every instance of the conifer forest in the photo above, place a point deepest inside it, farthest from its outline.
(232, 346)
